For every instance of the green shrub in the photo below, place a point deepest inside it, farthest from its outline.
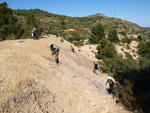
(105, 50)
(70, 39)
(11, 37)
(128, 47)
(31, 21)
(122, 49)
(128, 56)
(93, 39)
(6, 15)
(144, 49)
(123, 33)
(78, 44)
(116, 65)
(139, 37)
(62, 40)
(126, 40)
(20, 33)
(76, 36)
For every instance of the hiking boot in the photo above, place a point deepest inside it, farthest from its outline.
(56, 62)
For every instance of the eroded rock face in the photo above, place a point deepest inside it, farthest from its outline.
(30, 97)
(31, 82)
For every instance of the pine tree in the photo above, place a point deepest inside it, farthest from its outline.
(31, 21)
(139, 37)
(105, 50)
(97, 34)
(7, 22)
(112, 36)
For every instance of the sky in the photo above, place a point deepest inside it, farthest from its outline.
(135, 11)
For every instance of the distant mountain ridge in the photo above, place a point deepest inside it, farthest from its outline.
(94, 15)
(147, 27)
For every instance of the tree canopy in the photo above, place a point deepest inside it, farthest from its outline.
(7, 21)
(105, 50)
(112, 36)
(97, 34)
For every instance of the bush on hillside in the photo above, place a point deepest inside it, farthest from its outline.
(139, 37)
(31, 21)
(115, 65)
(144, 49)
(133, 77)
(62, 40)
(7, 22)
(128, 56)
(11, 37)
(105, 50)
(20, 33)
(76, 36)
(11, 29)
(126, 40)
(70, 39)
(78, 43)
(124, 33)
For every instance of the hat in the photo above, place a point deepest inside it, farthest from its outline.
(109, 77)
(49, 44)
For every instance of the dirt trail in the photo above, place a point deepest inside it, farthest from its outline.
(30, 81)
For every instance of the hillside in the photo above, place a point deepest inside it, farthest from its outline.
(31, 82)
(58, 23)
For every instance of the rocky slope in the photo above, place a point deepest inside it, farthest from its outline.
(30, 81)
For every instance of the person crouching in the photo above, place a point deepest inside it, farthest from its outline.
(55, 50)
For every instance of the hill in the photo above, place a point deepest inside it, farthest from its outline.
(31, 82)
(58, 23)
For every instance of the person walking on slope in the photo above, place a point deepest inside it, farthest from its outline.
(111, 84)
(72, 48)
(95, 70)
(34, 33)
(55, 50)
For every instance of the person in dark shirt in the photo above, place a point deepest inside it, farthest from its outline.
(111, 84)
(95, 70)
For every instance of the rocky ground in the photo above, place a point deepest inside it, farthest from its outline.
(30, 81)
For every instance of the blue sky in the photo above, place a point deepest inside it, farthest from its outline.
(135, 11)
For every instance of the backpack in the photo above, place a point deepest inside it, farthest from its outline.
(111, 82)
(33, 30)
